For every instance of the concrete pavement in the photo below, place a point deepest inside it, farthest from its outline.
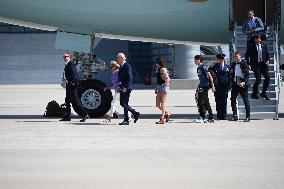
(36, 152)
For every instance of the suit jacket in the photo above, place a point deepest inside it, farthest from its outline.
(71, 74)
(222, 74)
(252, 55)
(125, 76)
(245, 70)
(259, 27)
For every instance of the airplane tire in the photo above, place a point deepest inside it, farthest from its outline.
(95, 100)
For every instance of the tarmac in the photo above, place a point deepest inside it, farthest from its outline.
(43, 153)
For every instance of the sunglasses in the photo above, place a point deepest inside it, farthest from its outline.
(65, 56)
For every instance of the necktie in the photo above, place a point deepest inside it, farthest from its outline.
(259, 53)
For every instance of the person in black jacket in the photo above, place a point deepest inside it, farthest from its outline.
(221, 70)
(72, 81)
(258, 58)
(125, 77)
(239, 73)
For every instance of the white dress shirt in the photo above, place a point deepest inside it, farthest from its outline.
(238, 73)
(259, 53)
(63, 75)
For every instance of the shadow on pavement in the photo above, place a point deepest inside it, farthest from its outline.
(22, 117)
(143, 116)
(35, 121)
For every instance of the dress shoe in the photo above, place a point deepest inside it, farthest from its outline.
(124, 123)
(136, 116)
(65, 119)
(254, 96)
(219, 117)
(247, 119)
(84, 118)
(264, 96)
(234, 119)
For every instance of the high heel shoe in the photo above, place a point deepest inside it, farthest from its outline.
(162, 121)
(167, 116)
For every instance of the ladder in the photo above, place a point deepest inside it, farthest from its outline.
(260, 108)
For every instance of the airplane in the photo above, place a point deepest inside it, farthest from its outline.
(187, 22)
(171, 21)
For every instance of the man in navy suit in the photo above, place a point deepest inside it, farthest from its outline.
(72, 81)
(239, 73)
(125, 77)
(258, 57)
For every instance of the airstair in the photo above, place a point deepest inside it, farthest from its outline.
(260, 108)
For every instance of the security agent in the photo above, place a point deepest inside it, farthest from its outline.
(221, 70)
(239, 73)
(71, 80)
(258, 58)
(202, 91)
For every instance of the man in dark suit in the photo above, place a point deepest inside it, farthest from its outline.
(125, 77)
(239, 73)
(258, 57)
(222, 73)
(72, 81)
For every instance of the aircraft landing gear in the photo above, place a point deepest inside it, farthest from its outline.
(93, 97)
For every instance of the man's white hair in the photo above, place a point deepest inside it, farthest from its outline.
(122, 56)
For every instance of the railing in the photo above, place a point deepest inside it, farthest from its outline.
(276, 68)
(278, 16)
(233, 45)
(231, 16)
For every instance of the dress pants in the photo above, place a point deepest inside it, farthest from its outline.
(124, 100)
(72, 97)
(221, 96)
(203, 103)
(250, 41)
(258, 70)
(236, 89)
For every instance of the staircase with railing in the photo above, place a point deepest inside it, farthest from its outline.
(261, 108)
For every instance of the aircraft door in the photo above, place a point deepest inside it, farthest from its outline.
(240, 8)
(264, 9)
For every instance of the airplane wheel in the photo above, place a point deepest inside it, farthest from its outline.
(95, 100)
